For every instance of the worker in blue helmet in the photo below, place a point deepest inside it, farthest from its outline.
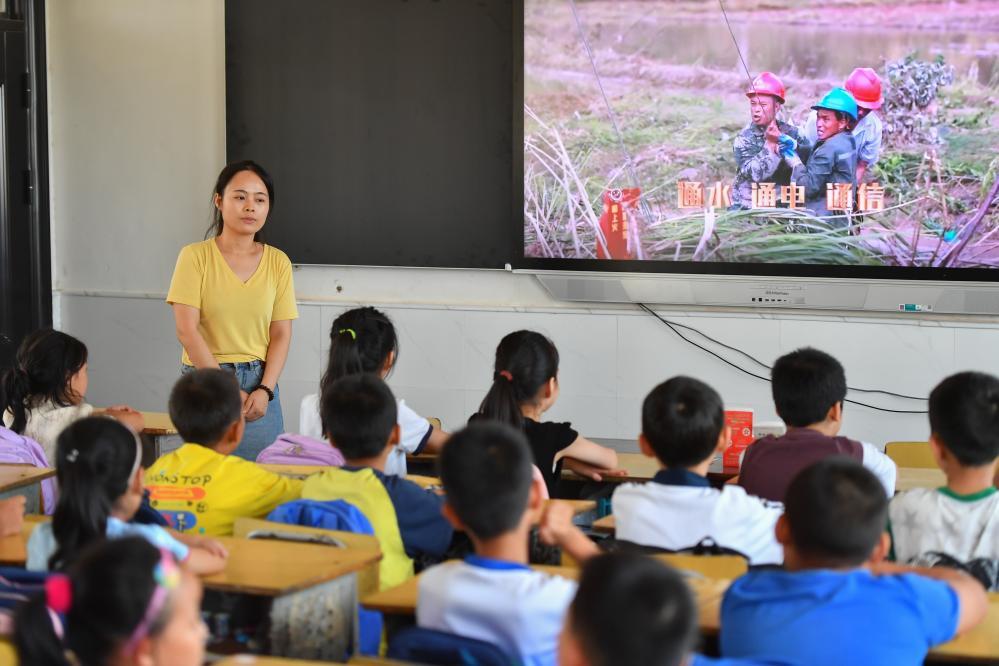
(834, 158)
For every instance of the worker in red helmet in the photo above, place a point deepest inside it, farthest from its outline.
(757, 153)
(865, 86)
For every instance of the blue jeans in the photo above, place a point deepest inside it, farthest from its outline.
(261, 433)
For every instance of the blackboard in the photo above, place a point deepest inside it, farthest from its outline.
(387, 125)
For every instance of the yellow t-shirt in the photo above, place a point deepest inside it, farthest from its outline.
(201, 491)
(235, 316)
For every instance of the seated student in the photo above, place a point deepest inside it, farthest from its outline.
(809, 387)
(837, 602)
(100, 481)
(960, 520)
(683, 425)
(200, 487)
(46, 389)
(630, 610)
(525, 386)
(359, 415)
(124, 602)
(493, 595)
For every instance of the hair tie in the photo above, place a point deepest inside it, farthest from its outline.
(505, 374)
(58, 593)
(73, 455)
(353, 334)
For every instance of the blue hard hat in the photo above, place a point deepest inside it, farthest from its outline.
(839, 99)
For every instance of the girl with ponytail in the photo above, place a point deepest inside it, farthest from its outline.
(100, 482)
(363, 340)
(45, 389)
(123, 603)
(525, 386)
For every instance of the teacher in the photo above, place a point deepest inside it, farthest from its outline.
(233, 300)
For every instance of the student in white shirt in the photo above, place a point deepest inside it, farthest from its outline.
(494, 595)
(683, 425)
(961, 519)
(364, 340)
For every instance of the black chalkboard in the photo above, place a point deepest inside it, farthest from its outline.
(387, 125)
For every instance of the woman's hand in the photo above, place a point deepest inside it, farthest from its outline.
(255, 405)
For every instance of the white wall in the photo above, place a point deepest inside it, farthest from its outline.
(137, 136)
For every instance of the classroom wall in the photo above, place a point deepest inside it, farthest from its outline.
(136, 99)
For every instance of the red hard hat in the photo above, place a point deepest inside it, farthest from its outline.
(767, 83)
(865, 86)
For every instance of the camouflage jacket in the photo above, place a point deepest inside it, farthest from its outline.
(756, 164)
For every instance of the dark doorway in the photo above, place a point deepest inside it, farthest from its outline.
(25, 257)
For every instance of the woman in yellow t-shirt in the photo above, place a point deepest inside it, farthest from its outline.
(233, 300)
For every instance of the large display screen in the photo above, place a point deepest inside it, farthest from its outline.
(762, 136)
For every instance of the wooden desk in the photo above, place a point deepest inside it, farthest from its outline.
(918, 477)
(980, 645)
(255, 660)
(605, 525)
(642, 468)
(14, 476)
(274, 568)
(401, 600)
(158, 424)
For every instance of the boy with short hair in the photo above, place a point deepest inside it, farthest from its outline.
(630, 610)
(358, 414)
(809, 387)
(683, 426)
(837, 601)
(494, 595)
(200, 488)
(961, 519)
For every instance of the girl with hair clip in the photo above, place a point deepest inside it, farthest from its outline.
(123, 603)
(45, 389)
(525, 386)
(100, 480)
(364, 340)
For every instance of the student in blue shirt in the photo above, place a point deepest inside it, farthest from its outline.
(359, 415)
(838, 601)
(494, 596)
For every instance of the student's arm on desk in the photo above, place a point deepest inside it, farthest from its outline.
(588, 471)
(973, 602)
(557, 529)
(207, 556)
(590, 453)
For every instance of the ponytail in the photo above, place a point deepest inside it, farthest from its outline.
(14, 389)
(96, 458)
(35, 636)
(362, 340)
(46, 362)
(86, 617)
(525, 361)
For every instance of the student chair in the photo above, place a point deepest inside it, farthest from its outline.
(426, 646)
(911, 454)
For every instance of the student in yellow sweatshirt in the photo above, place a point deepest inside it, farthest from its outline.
(200, 488)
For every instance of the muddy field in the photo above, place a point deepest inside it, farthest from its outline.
(669, 101)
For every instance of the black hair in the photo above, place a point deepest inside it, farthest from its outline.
(95, 458)
(227, 174)
(964, 416)
(683, 418)
(525, 361)
(806, 384)
(45, 363)
(486, 469)
(623, 596)
(836, 510)
(204, 403)
(361, 340)
(358, 414)
(112, 584)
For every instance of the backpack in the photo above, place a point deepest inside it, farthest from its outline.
(292, 449)
(18, 449)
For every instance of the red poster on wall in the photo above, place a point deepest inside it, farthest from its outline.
(620, 206)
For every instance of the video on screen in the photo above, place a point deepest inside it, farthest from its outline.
(833, 132)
